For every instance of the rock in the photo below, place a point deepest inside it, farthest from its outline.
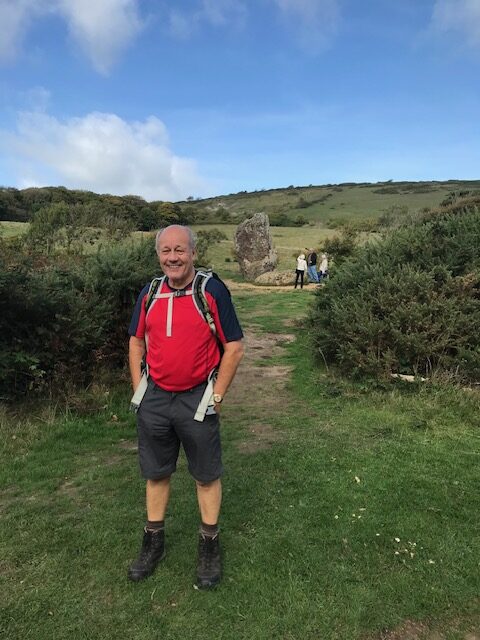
(254, 247)
(408, 378)
(277, 278)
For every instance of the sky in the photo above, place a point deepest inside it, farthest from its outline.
(197, 98)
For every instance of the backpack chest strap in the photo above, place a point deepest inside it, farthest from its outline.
(170, 295)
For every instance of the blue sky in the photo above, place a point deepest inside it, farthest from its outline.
(206, 97)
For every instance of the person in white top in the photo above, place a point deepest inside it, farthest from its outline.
(300, 270)
(323, 269)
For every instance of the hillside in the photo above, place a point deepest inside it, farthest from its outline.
(325, 205)
(330, 205)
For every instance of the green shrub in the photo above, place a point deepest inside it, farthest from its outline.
(62, 317)
(280, 220)
(342, 246)
(410, 303)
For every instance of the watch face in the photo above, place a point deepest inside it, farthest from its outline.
(217, 398)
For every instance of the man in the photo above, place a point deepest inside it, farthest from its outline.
(182, 352)
(312, 266)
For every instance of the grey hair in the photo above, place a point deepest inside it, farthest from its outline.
(192, 236)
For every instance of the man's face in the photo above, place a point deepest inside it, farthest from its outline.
(176, 256)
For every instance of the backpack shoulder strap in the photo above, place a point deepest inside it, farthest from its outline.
(155, 285)
(200, 299)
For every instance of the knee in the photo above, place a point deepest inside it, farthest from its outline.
(158, 482)
(207, 486)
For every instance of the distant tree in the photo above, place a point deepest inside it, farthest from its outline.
(205, 239)
(169, 213)
(280, 220)
(222, 214)
(60, 226)
(300, 221)
(342, 246)
(148, 219)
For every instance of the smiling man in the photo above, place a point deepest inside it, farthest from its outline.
(191, 353)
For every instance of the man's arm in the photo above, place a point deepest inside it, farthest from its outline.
(232, 355)
(136, 351)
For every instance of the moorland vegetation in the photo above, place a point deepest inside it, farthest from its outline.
(332, 205)
(350, 503)
(403, 300)
(408, 302)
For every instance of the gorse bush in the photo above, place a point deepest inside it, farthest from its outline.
(409, 303)
(341, 246)
(62, 318)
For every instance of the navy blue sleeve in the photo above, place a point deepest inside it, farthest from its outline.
(224, 311)
(137, 311)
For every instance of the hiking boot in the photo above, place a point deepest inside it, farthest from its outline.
(152, 551)
(209, 566)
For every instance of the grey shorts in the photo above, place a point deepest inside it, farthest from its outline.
(164, 421)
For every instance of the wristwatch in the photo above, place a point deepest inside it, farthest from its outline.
(217, 398)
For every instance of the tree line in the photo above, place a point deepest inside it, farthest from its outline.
(88, 208)
(128, 212)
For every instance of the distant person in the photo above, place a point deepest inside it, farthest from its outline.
(312, 266)
(191, 359)
(323, 268)
(300, 270)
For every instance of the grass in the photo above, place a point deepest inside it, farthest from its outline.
(12, 229)
(288, 241)
(340, 203)
(310, 522)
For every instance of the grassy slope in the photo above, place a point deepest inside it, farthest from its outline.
(340, 202)
(330, 204)
(310, 551)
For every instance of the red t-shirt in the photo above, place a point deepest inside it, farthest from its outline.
(181, 348)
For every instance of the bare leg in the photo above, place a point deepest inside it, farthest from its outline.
(209, 498)
(157, 495)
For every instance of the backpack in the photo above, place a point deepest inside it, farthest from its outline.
(201, 303)
(198, 293)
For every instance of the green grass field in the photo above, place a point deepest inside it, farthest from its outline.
(348, 509)
(339, 203)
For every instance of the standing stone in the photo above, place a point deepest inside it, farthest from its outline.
(254, 247)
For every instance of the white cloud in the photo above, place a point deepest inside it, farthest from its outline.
(102, 28)
(15, 18)
(460, 16)
(221, 12)
(314, 22)
(36, 98)
(102, 153)
(216, 13)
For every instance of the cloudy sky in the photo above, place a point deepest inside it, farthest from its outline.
(194, 98)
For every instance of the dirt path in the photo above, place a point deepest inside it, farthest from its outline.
(259, 390)
(255, 288)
